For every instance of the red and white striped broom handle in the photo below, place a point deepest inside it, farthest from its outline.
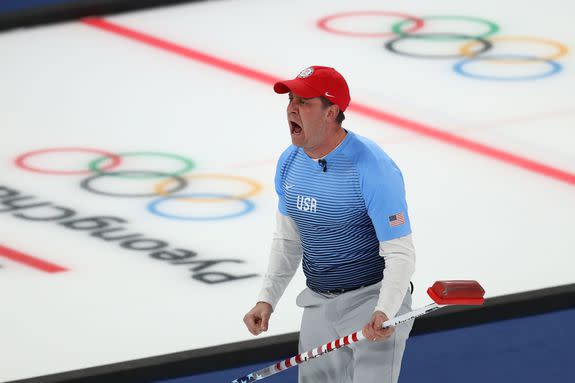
(328, 347)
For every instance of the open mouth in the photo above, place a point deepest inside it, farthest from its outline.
(295, 128)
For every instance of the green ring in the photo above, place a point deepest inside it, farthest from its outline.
(188, 164)
(493, 28)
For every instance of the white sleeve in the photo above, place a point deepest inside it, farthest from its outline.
(399, 255)
(285, 257)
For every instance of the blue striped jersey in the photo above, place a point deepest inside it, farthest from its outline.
(343, 211)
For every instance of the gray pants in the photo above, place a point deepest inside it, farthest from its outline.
(329, 318)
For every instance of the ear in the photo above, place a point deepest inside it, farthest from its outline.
(332, 112)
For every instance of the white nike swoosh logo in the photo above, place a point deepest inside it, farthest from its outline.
(288, 186)
(328, 95)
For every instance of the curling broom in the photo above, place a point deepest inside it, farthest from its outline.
(443, 293)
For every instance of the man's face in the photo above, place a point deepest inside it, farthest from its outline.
(307, 118)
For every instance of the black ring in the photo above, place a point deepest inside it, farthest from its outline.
(85, 184)
(390, 45)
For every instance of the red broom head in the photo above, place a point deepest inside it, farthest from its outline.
(457, 293)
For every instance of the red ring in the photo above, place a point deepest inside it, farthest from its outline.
(322, 23)
(20, 160)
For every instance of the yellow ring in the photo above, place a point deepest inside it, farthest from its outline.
(256, 187)
(562, 49)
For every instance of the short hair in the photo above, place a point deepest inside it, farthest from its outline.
(327, 103)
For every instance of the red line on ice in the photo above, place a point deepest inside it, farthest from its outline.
(364, 110)
(28, 260)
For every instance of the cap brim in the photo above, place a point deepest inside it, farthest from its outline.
(298, 86)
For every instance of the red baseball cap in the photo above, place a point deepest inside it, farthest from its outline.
(318, 81)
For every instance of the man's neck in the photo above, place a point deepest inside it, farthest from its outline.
(334, 141)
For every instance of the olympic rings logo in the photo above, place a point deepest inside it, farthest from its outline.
(169, 187)
(473, 48)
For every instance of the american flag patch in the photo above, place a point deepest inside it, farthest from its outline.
(396, 220)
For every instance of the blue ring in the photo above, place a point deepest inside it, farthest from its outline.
(152, 207)
(458, 68)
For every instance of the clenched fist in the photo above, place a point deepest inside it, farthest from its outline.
(257, 319)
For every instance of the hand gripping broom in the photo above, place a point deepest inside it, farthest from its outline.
(443, 293)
